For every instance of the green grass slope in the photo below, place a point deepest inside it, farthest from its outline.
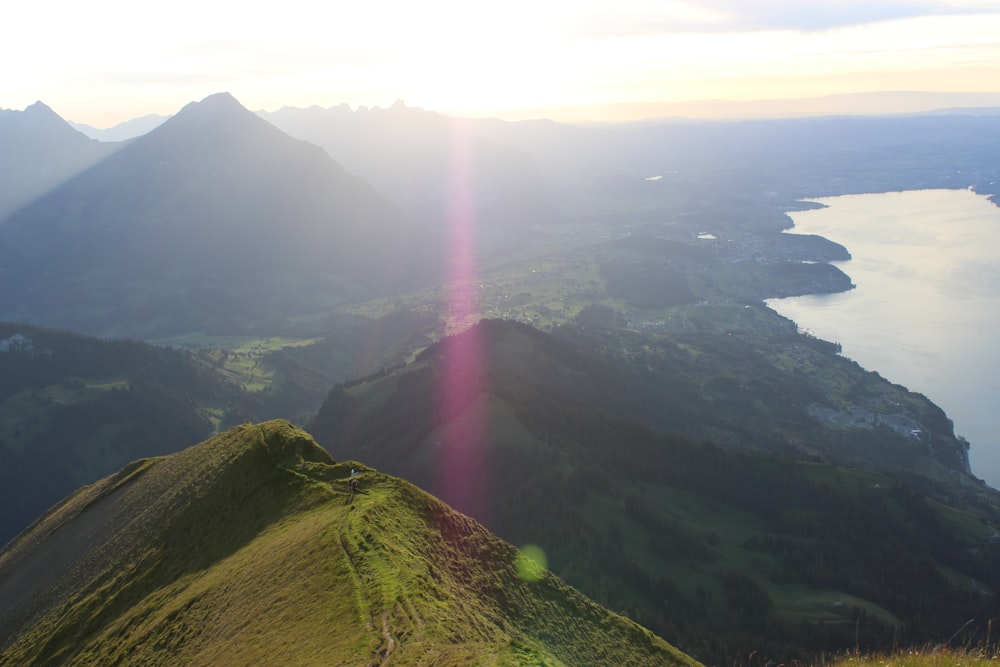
(249, 549)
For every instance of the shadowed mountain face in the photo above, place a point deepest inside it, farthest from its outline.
(250, 549)
(727, 393)
(40, 152)
(213, 219)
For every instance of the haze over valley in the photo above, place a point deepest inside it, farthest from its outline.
(562, 331)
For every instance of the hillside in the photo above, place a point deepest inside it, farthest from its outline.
(720, 550)
(248, 549)
(74, 409)
(738, 392)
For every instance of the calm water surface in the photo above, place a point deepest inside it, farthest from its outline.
(926, 310)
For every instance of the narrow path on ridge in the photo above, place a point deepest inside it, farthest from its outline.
(388, 644)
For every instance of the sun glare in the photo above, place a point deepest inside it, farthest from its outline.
(454, 56)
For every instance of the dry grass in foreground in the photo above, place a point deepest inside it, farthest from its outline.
(989, 657)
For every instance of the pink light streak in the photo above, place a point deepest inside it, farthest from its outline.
(462, 476)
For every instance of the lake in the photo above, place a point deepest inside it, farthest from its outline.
(926, 309)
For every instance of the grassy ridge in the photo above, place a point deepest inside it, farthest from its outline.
(249, 549)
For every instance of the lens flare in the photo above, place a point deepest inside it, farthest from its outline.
(531, 563)
(461, 477)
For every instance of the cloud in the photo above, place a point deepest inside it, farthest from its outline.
(830, 14)
(161, 78)
(649, 17)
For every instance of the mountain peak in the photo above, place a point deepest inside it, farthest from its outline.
(217, 118)
(39, 108)
(41, 115)
(222, 97)
(223, 100)
(40, 151)
(216, 105)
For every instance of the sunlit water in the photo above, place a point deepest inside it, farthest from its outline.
(926, 309)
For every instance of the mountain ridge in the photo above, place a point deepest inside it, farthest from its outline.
(658, 389)
(167, 567)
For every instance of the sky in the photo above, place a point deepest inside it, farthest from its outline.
(106, 61)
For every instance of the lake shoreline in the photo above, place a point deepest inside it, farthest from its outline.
(920, 313)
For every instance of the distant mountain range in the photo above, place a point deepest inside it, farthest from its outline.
(213, 219)
(217, 221)
(895, 103)
(251, 548)
(900, 102)
(130, 129)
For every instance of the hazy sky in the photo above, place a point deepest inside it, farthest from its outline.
(105, 61)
